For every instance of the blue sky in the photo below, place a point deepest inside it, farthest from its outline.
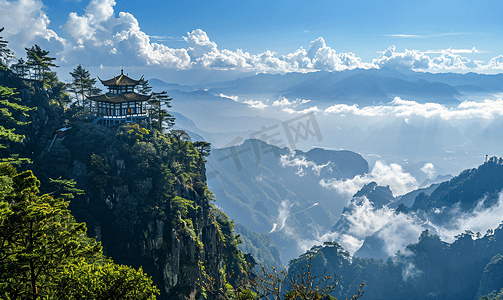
(262, 36)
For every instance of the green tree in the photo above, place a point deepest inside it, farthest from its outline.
(40, 62)
(42, 248)
(160, 102)
(9, 104)
(144, 87)
(20, 68)
(38, 236)
(5, 53)
(104, 281)
(59, 97)
(83, 85)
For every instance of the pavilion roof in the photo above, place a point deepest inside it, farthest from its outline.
(120, 80)
(120, 98)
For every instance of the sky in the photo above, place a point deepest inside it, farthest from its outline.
(260, 36)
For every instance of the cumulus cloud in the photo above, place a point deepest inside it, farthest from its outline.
(99, 37)
(448, 60)
(429, 170)
(321, 57)
(495, 63)
(386, 175)
(26, 24)
(406, 60)
(487, 109)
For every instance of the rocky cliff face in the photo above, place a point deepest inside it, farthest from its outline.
(146, 200)
(492, 278)
(145, 196)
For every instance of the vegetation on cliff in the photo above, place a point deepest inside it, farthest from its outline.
(144, 199)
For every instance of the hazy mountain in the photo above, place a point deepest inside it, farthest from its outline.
(429, 268)
(364, 87)
(265, 83)
(439, 179)
(368, 88)
(278, 192)
(493, 82)
(467, 188)
(158, 85)
(221, 118)
(384, 224)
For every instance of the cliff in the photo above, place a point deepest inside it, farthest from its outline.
(145, 196)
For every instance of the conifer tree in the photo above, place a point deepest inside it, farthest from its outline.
(7, 122)
(20, 68)
(160, 102)
(82, 85)
(5, 53)
(39, 61)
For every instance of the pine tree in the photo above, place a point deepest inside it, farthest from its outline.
(45, 253)
(7, 122)
(83, 85)
(5, 53)
(40, 62)
(160, 102)
(20, 68)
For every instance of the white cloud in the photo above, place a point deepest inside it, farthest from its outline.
(26, 24)
(256, 104)
(282, 101)
(235, 98)
(429, 169)
(495, 63)
(480, 219)
(448, 60)
(301, 162)
(99, 37)
(304, 111)
(102, 38)
(385, 175)
(321, 57)
(487, 109)
(407, 60)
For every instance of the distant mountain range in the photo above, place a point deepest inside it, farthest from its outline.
(363, 87)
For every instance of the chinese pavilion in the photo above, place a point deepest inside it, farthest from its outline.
(121, 104)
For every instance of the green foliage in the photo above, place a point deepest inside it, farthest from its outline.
(38, 236)
(40, 62)
(44, 252)
(103, 280)
(8, 104)
(495, 295)
(5, 53)
(82, 86)
(160, 103)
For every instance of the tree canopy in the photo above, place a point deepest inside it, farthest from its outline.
(40, 61)
(44, 252)
(82, 85)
